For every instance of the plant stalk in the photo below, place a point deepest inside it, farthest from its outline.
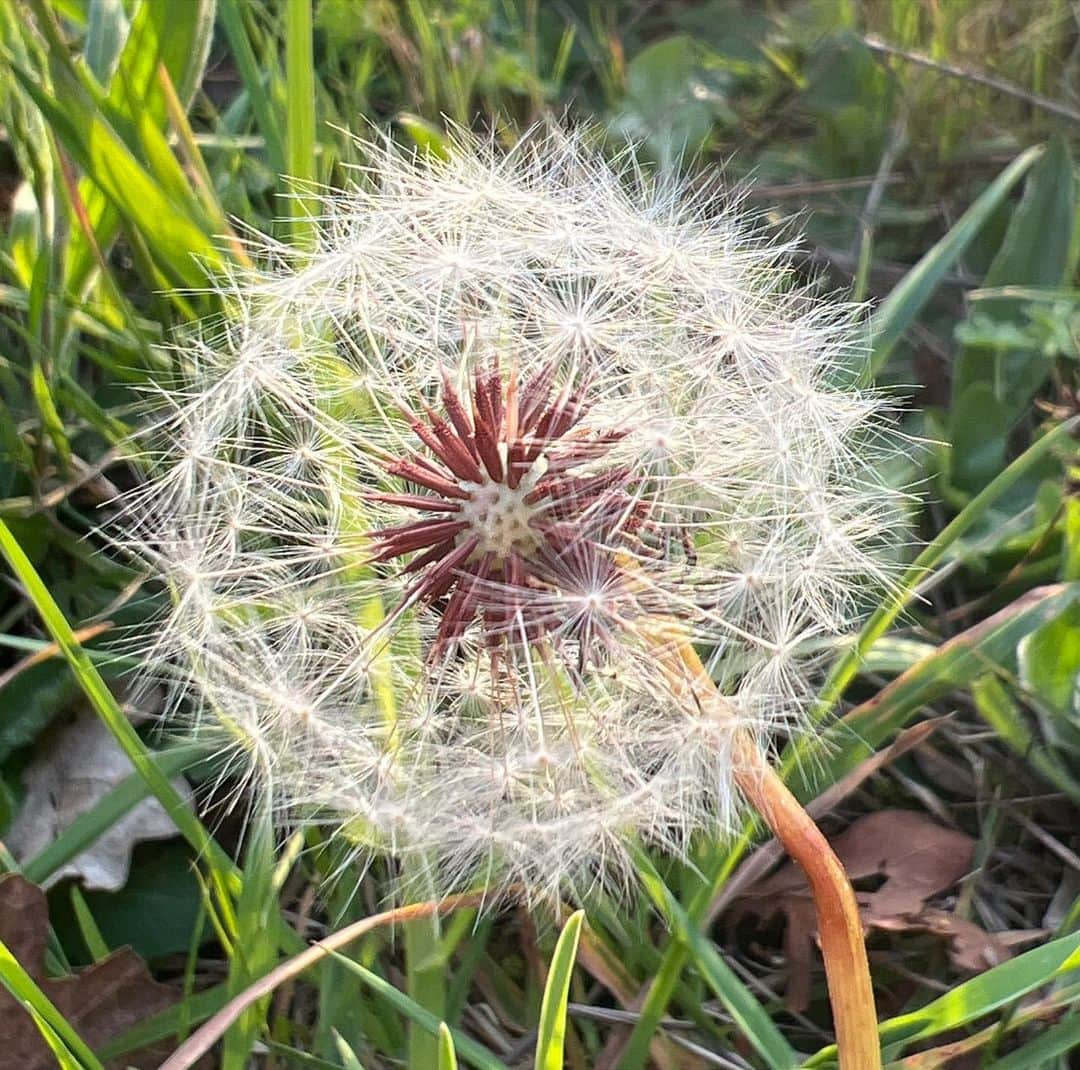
(426, 985)
(840, 931)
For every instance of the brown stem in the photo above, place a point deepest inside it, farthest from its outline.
(200, 1042)
(839, 928)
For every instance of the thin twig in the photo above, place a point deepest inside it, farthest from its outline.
(868, 217)
(200, 1042)
(1055, 846)
(815, 188)
(876, 44)
(51, 650)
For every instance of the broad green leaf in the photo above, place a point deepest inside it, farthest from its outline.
(672, 99)
(849, 96)
(979, 423)
(154, 913)
(551, 1032)
(29, 702)
(997, 707)
(1037, 251)
(1050, 662)
(899, 310)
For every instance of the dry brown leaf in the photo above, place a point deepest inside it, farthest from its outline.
(971, 948)
(917, 859)
(100, 1002)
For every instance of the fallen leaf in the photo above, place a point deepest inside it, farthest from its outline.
(916, 859)
(100, 1002)
(76, 766)
(971, 948)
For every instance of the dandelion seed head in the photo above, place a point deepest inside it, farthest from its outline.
(422, 500)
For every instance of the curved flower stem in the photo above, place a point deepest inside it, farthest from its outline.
(839, 928)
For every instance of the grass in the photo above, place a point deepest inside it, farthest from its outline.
(139, 136)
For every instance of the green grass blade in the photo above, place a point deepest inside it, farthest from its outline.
(955, 665)
(551, 1034)
(980, 996)
(898, 311)
(1035, 252)
(266, 118)
(106, 32)
(23, 987)
(255, 951)
(467, 1048)
(744, 1009)
(426, 978)
(196, 1008)
(88, 928)
(846, 668)
(425, 135)
(447, 1055)
(843, 672)
(997, 707)
(174, 36)
(64, 1059)
(169, 230)
(1060, 1039)
(300, 128)
(349, 1061)
(106, 706)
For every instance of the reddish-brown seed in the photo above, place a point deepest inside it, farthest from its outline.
(561, 540)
